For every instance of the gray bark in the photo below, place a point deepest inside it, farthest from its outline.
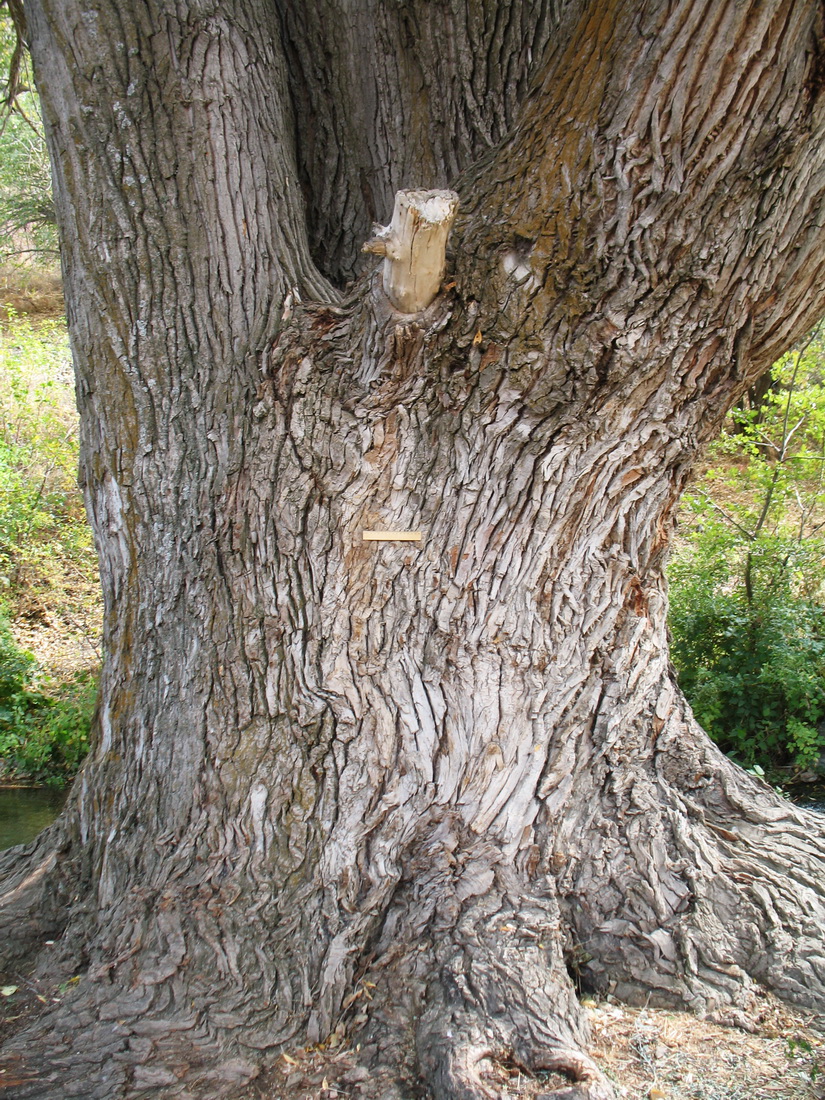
(430, 770)
(395, 95)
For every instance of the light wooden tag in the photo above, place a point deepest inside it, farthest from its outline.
(392, 536)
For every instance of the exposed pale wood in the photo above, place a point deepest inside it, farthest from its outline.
(414, 246)
(372, 123)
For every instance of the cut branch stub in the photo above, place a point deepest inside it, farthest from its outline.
(413, 246)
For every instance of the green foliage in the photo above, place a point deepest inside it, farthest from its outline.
(748, 582)
(47, 561)
(799, 1048)
(27, 218)
(754, 672)
(15, 668)
(42, 520)
(44, 727)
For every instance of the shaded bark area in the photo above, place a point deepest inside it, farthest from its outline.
(398, 789)
(394, 95)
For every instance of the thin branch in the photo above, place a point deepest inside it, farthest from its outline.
(16, 107)
(33, 251)
(725, 515)
(803, 514)
(786, 437)
(15, 86)
(767, 441)
(794, 430)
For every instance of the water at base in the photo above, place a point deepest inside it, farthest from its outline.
(25, 811)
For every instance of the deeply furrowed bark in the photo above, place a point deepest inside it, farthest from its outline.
(419, 92)
(329, 770)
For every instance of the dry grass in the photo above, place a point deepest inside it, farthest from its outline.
(673, 1056)
(31, 290)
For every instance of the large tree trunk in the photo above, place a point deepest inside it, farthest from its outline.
(437, 773)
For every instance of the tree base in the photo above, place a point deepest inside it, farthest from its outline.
(461, 968)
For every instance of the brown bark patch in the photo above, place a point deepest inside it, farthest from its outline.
(635, 597)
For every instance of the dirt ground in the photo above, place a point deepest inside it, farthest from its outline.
(31, 290)
(674, 1056)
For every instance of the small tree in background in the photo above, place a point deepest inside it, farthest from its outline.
(747, 585)
(27, 218)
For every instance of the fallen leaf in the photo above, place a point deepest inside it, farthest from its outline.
(8, 990)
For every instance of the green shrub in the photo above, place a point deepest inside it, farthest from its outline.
(747, 583)
(44, 726)
(48, 573)
(753, 670)
(15, 668)
(52, 727)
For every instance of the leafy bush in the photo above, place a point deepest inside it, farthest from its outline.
(48, 574)
(753, 670)
(748, 581)
(44, 727)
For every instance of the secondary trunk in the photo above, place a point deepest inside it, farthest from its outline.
(438, 773)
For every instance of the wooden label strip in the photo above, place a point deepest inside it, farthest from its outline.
(392, 536)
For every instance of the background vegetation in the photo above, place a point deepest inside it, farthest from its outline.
(48, 577)
(27, 218)
(748, 579)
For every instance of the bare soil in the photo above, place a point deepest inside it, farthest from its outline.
(64, 640)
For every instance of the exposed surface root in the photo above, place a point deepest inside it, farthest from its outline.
(465, 982)
(458, 1048)
(780, 1057)
(33, 902)
(76, 1053)
(487, 986)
